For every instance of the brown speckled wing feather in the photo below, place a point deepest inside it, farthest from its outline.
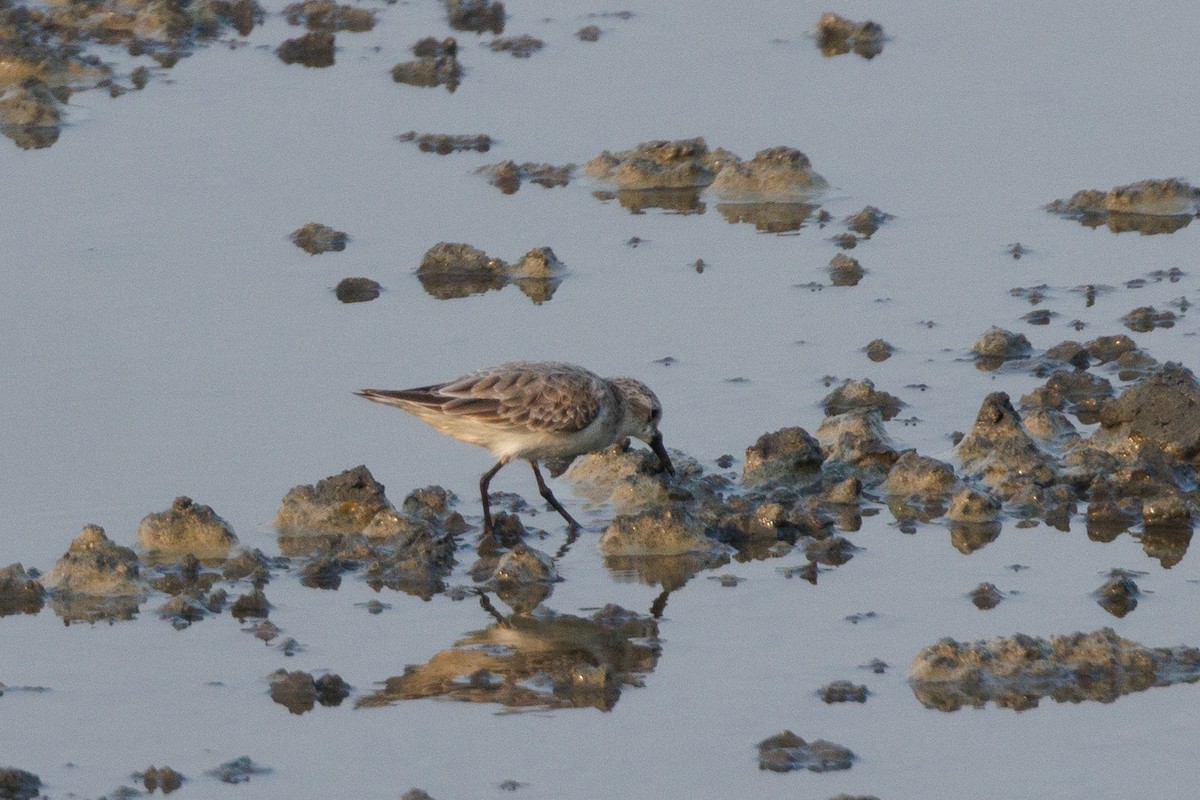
(533, 396)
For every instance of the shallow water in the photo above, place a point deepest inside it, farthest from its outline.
(161, 336)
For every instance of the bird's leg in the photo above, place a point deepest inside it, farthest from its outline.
(549, 496)
(483, 491)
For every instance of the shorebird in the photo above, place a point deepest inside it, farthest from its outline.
(535, 410)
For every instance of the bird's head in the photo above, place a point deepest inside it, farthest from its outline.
(643, 412)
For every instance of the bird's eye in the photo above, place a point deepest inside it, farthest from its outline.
(655, 415)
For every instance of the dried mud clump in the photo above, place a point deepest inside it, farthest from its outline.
(837, 36)
(1163, 408)
(94, 585)
(315, 238)
(1016, 672)
(164, 778)
(313, 49)
(436, 65)
(343, 503)
(538, 660)
(1148, 207)
(879, 350)
(522, 46)
(656, 533)
(507, 176)
(866, 222)
(20, 592)
(30, 113)
(775, 174)
(852, 395)
(844, 692)
(1147, 318)
(323, 15)
(445, 143)
(920, 478)
(450, 271)
(588, 33)
(1119, 594)
(986, 596)
(845, 271)
(1000, 453)
(785, 454)
(186, 528)
(998, 345)
(680, 164)
(786, 751)
(299, 692)
(18, 784)
(476, 16)
(357, 290)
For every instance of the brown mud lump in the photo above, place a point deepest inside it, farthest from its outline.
(786, 751)
(837, 35)
(1147, 318)
(477, 16)
(866, 222)
(453, 270)
(239, 770)
(661, 164)
(342, 503)
(843, 692)
(436, 65)
(1162, 408)
(357, 290)
(20, 592)
(986, 596)
(522, 46)
(588, 33)
(782, 455)
(17, 784)
(186, 528)
(1119, 594)
(324, 15)
(655, 533)
(852, 395)
(95, 565)
(845, 271)
(164, 778)
(997, 345)
(1167, 198)
(856, 441)
(313, 49)
(920, 477)
(315, 238)
(879, 350)
(1001, 453)
(775, 174)
(973, 506)
(507, 176)
(446, 143)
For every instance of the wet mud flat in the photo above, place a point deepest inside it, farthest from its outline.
(935, 456)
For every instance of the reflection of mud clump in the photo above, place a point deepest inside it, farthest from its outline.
(240, 770)
(768, 217)
(837, 36)
(95, 579)
(19, 592)
(541, 660)
(1149, 207)
(323, 15)
(30, 114)
(1018, 671)
(315, 238)
(477, 16)
(357, 290)
(445, 143)
(449, 271)
(344, 503)
(299, 692)
(522, 46)
(786, 751)
(508, 175)
(19, 784)
(313, 49)
(436, 65)
(186, 528)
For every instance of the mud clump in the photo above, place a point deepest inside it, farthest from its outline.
(588, 33)
(785, 454)
(999, 452)
(522, 46)
(323, 15)
(866, 222)
(523, 578)
(18, 784)
(313, 49)
(656, 533)
(507, 176)
(186, 528)
(30, 114)
(845, 271)
(436, 65)
(450, 271)
(20, 592)
(661, 164)
(164, 778)
(920, 478)
(843, 692)
(837, 36)
(852, 395)
(476, 16)
(1148, 207)
(445, 143)
(998, 345)
(343, 503)
(315, 238)
(357, 290)
(299, 692)
(879, 350)
(986, 596)
(1147, 318)
(1163, 408)
(1016, 672)
(239, 770)
(775, 174)
(1119, 594)
(95, 580)
(785, 752)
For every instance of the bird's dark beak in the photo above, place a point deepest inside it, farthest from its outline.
(664, 460)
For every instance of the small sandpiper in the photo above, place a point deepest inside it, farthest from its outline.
(535, 410)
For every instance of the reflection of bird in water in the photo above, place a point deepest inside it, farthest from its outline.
(535, 410)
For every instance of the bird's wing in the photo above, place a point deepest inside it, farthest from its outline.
(519, 395)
